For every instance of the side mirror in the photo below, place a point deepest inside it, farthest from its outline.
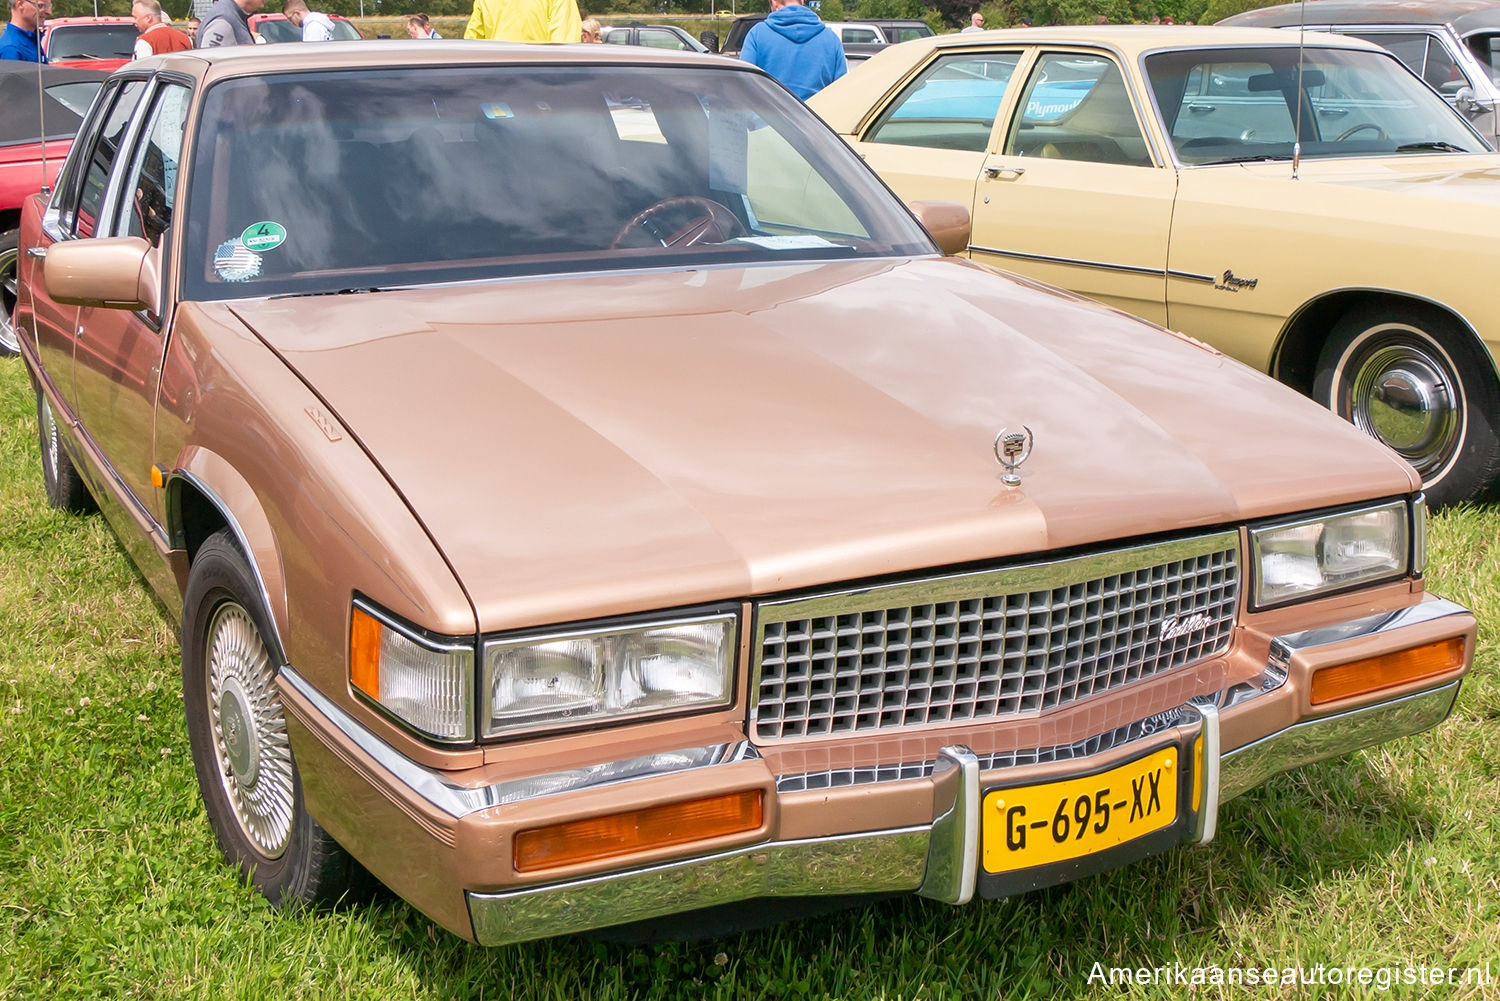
(110, 273)
(1464, 98)
(946, 222)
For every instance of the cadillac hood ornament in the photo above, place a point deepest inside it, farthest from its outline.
(1012, 449)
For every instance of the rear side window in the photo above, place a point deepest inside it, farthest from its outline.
(951, 105)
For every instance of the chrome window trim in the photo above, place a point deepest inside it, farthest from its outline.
(459, 801)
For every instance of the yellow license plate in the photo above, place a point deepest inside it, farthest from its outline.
(1041, 824)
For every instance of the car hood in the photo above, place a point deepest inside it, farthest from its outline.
(591, 446)
(1468, 178)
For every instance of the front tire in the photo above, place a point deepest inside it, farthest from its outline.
(1408, 377)
(237, 728)
(65, 488)
(9, 270)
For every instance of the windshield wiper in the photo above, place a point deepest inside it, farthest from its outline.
(1256, 158)
(341, 291)
(1445, 147)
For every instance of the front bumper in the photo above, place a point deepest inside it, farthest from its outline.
(937, 856)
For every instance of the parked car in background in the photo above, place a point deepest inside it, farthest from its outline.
(1153, 169)
(100, 43)
(895, 29)
(571, 561)
(276, 28)
(1452, 44)
(656, 36)
(854, 51)
(35, 135)
(858, 34)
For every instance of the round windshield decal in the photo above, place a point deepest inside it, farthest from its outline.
(235, 263)
(263, 235)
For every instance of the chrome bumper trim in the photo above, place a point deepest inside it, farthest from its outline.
(1206, 822)
(1314, 740)
(873, 862)
(1282, 647)
(953, 853)
(460, 801)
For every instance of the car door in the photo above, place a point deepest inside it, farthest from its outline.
(117, 360)
(72, 214)
(1076, 193)
(930, 141)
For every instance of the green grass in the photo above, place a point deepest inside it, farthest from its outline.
(111, 886)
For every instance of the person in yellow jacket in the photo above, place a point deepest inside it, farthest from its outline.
(525, 21)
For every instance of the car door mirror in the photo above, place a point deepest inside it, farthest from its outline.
(109, 272)
(947, 223)
(1464, 98)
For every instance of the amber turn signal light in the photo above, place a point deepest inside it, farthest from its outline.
(364, 652)
(637, 830)
(1386, 671)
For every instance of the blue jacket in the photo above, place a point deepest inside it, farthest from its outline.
(796, 48)
(18, 43)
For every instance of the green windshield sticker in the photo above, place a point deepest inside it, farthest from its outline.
(263, 236)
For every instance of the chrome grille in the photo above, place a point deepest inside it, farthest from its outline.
(992, 644)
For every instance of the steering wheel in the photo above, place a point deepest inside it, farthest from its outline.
(1362, 127)
(713, 223)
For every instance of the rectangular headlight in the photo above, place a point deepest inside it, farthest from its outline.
(425, 683)
(1314, 556)
(608, 673)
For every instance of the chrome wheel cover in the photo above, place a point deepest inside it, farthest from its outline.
(248, 730)
(1404, 391)
(8, 341)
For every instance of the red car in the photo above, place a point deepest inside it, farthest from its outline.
(24, 146)
(276, 28)
(100, 43)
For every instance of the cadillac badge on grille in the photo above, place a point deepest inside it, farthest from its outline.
(1012, 448)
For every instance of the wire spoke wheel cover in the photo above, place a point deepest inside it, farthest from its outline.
(51, 445)
(9, 258)
(249, 731)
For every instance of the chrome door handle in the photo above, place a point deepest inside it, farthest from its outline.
(36, 251)
(1202, 108)
(994, 172)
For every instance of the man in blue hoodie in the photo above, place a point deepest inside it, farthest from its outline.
(795, 47)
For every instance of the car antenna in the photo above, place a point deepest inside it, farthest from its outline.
(1297, 137)
(41, 109)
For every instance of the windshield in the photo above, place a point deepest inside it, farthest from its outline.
(330, 181)
(91, 41)
(1238, 104)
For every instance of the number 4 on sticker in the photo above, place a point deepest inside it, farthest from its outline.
(262, 236)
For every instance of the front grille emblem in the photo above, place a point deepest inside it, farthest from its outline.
(1176, 626)
(1011, 449)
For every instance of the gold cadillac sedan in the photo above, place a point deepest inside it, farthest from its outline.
(1317, 212)
(588, 497)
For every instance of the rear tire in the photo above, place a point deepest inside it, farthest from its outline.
(237, 728)
(1410, 378)
(65, 488)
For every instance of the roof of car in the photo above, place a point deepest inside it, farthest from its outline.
(1464, 15)
(239, 60)
(64, 22)
(844, 107)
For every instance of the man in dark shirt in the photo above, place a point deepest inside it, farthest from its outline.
(19, 40)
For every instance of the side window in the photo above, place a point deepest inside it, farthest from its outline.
(860, 35)
(151, 191)
(1409, 46)
(83, 217)
(951, 105)
(1441, 72)
(658, 38)
(1076, 107)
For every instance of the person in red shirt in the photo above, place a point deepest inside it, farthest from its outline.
(156, 37)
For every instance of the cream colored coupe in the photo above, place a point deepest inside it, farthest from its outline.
(1158, 170)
